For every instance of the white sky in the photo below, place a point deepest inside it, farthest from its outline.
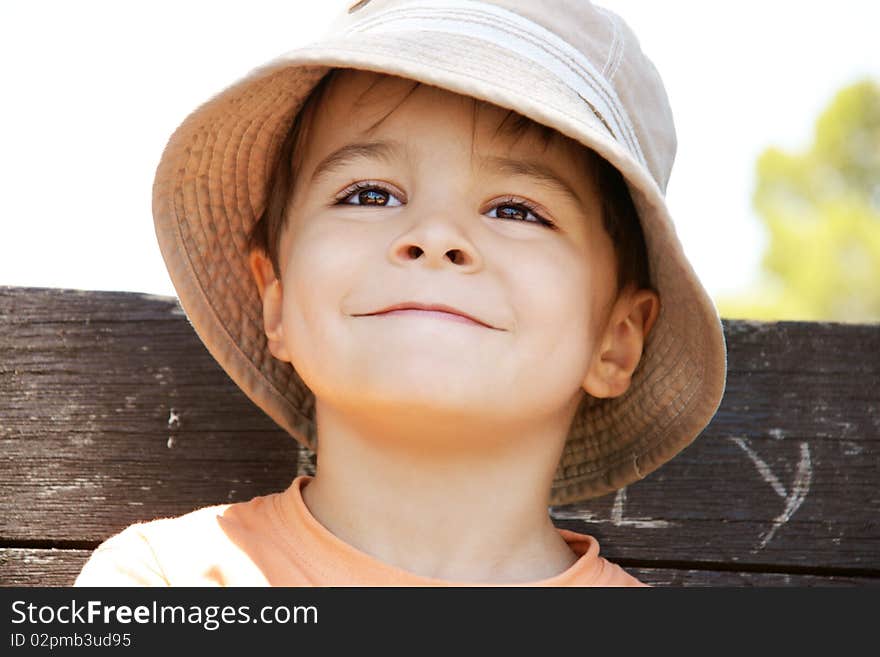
(93, 89)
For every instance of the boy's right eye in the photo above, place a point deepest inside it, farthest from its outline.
(368, 194)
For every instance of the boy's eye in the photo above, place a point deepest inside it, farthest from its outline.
(368, 194)
(519, 210)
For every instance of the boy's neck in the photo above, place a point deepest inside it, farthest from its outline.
(470, 509)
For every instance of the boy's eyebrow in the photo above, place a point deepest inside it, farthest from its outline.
(381, 150)
(541, 173)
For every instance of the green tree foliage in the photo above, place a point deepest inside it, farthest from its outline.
(821, 209)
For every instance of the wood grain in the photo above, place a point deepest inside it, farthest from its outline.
(112, 411)
(40, 567)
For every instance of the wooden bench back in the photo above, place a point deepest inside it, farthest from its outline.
(112, 411)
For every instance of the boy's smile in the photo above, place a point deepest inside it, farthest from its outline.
(418, 198)
(432, 310)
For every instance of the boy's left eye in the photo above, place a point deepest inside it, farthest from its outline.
(519, 210)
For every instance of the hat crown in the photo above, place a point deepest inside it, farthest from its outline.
(601, 38)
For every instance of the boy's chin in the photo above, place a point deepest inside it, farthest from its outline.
(420, 402)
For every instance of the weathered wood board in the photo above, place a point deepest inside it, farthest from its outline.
(112, 411)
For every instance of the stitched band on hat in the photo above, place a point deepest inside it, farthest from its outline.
(508, 30)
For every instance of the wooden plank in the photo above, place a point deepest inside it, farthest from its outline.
(41, 567)
(112, 411)
(670, 577)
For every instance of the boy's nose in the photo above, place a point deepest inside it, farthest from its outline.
(436, 242)
(456, 256)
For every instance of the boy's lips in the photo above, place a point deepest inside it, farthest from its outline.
(436, 309)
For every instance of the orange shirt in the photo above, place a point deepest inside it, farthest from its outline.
(274, 540)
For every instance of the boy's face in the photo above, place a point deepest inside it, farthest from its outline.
(432, 208)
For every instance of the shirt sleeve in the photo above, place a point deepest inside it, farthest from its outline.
(125, 559)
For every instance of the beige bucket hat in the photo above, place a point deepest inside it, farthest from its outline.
(586, 77)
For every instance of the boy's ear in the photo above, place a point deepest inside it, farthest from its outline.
(620, 348)
(272, 296)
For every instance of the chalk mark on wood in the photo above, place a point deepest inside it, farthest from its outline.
(618, 520)
(799, 488)
(616, 516)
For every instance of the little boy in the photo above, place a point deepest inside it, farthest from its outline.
(433, 247)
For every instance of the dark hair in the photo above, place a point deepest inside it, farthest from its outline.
(619, 215)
